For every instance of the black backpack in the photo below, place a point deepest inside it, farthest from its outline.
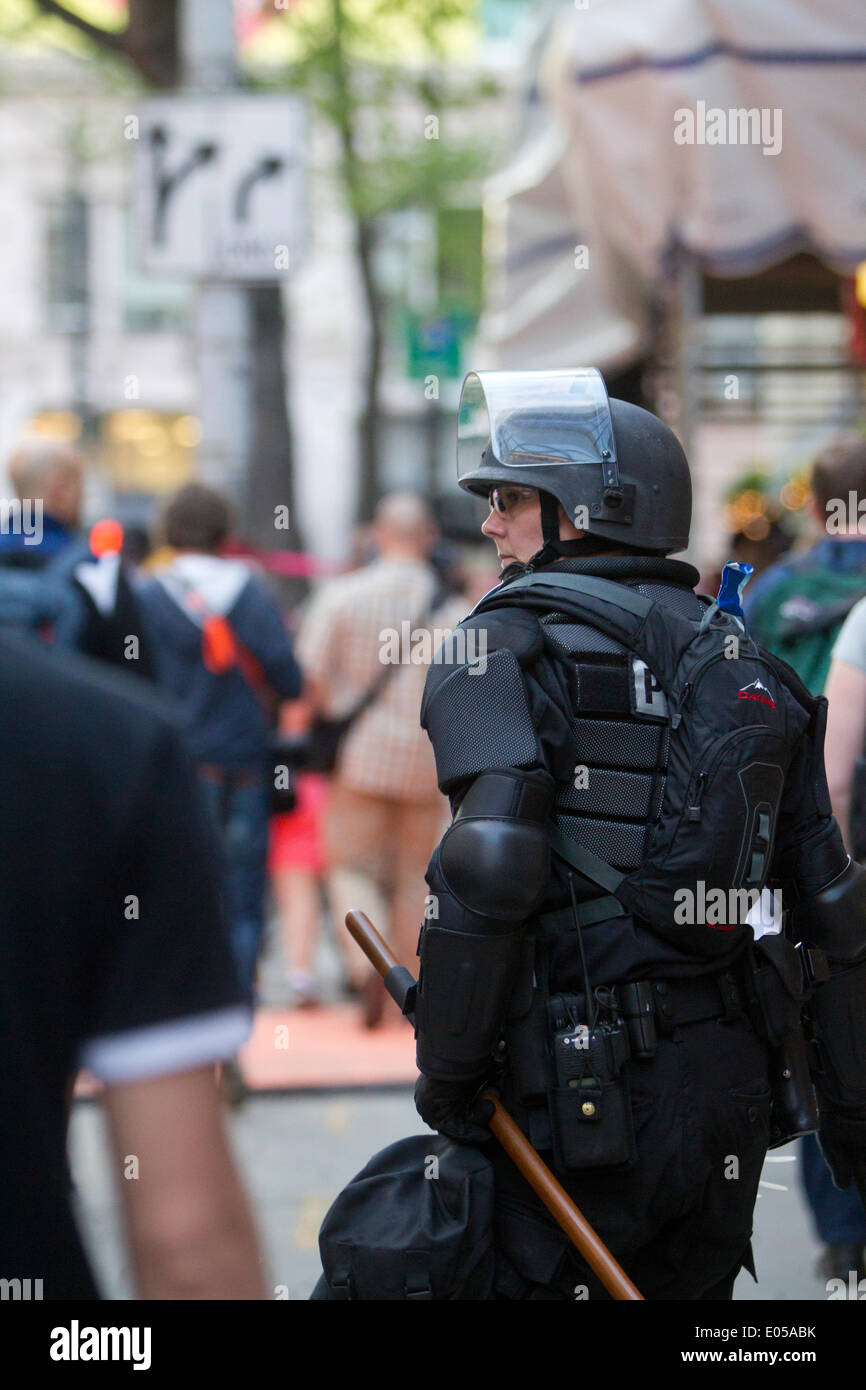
(415, 1223)
(734, 728)
(41, 600)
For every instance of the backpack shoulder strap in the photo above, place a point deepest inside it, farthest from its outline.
(578, 586)
(641, 624)
(588, 585)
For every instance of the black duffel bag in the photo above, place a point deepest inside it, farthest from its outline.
(415, 1223)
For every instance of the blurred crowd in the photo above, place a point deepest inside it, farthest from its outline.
(302, 724)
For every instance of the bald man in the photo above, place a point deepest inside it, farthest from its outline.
(385, 812)
(51, 584)
(53, 472)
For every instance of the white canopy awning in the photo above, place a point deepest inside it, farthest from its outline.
(728, 130)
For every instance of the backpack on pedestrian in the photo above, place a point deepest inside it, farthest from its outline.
(42, 601)
(800, 617)
(800, 620)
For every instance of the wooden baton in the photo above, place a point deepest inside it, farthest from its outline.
(401, 986)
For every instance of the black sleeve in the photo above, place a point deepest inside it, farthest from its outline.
(809, 851)
(164, 992)
(490, 869)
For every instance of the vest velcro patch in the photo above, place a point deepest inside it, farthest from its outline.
(603, 689)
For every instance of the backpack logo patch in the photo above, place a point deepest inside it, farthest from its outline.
(756, 690)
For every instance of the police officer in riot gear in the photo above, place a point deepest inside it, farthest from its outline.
(602, 761)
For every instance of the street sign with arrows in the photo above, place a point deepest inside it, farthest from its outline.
(220, 186)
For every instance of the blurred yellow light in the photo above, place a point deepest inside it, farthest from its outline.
(56, 424)
(745, 508)
(860, 283)
(752, 500)
(186, 431)
(132, 424)
(794, 494)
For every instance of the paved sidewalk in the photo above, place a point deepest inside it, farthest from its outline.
(297, 1151)
(313, 1049)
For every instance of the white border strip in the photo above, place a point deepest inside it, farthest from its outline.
(163, 1048)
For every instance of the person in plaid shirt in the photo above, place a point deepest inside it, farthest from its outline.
(385, 812)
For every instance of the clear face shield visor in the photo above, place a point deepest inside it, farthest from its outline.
(525, 420)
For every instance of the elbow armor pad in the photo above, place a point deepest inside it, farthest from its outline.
(495, 858)
(486, 877)
(834, 919)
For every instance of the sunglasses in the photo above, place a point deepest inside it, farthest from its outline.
(509, 499)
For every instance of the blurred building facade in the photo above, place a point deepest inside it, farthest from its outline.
(753, 372)
(711, 276)
(92, 348)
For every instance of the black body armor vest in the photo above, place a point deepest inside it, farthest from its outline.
(611, 766)
(620, 733)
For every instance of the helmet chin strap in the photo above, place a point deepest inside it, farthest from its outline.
(554, 548)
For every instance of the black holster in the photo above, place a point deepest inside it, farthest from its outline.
(558, 1064)
(779, 990)
(590, 1101)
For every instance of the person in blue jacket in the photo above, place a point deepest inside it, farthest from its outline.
(220, 648)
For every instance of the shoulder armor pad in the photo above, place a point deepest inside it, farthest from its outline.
(475, 707)
(479, 637)
(515, 628)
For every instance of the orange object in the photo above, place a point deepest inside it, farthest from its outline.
(106, 537)
(218, 646)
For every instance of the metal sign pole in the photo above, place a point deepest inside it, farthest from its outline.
(223, 346)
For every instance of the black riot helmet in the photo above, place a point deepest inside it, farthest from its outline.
(617, 471)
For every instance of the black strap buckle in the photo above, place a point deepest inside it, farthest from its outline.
(663, 1007)
(340, 1281)
(732, 993)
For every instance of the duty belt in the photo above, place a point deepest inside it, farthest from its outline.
(675, 1002)
(691, 1000)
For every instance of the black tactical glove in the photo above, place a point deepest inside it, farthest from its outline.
(843, 1140)
(451, 1108)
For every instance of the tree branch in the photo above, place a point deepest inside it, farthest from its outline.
(106, 38)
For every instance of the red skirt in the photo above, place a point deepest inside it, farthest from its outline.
(297, 838)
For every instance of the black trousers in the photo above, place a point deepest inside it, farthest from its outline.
(679, 1220)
